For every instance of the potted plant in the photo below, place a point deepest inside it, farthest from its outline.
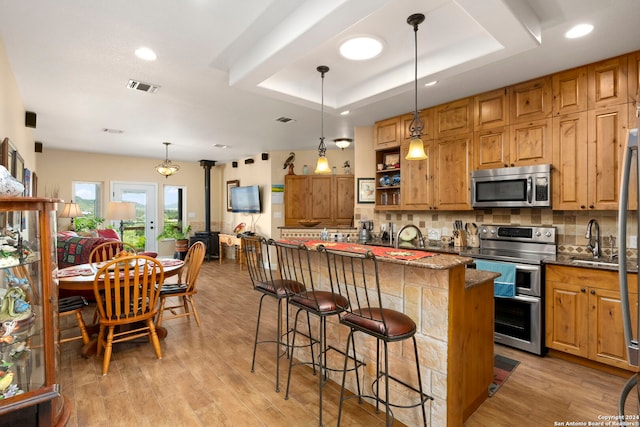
(177, 232)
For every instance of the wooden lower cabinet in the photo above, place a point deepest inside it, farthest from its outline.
(326, 198)
(584, 313)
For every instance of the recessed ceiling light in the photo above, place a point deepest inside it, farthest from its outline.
(431, 83)
(221, 146)
(345, 112)
(146, 54)
(361, 48)
(579, 30)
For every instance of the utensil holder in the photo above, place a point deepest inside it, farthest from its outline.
(473, 241)
(460, 240)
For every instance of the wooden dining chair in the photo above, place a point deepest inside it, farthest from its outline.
(109, 250)
(127, 290)
(185, 289)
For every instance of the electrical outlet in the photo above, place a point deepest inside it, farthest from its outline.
(633, 242)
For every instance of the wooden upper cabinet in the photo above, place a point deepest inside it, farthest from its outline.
(633, 80)
(570, 91)
(531, 143)
(491, 110)
(296, 189)
(322, 197)
(326, 198)
(417, 179)
(570, 171)
(607, 83)
(454, 118)
(388, 133)
(491, 148)
(452, 162)
(530, 100)
(344, 200)
(607, 134)
(427, 118)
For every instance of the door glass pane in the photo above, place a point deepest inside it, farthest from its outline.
(134, 230)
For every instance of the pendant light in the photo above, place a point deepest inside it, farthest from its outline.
(167, 168)
(416, 146)
(323, 165)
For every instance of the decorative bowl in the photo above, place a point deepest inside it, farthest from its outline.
(309, 222)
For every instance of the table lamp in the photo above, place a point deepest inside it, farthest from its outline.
(122, 211)
(71, 210)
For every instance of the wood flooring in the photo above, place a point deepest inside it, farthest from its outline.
(204, 378)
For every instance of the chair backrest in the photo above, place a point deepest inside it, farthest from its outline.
(191, 268)
(108, 250)
(294, 265)
(355, 277)
(256, 253)
(127, 288)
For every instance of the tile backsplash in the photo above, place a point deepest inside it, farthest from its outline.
(571, 225)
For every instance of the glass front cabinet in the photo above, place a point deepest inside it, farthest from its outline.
(29, 349)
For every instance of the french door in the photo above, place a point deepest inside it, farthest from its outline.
(142, 231)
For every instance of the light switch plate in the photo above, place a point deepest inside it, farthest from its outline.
(633, 242)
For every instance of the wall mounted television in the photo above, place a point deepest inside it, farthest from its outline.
(246, 199)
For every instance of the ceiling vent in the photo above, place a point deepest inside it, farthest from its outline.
(144, 87)
(284, 119)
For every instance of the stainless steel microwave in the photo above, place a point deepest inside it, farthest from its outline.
(517, 187)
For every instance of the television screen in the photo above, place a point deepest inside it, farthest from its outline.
(245, 199)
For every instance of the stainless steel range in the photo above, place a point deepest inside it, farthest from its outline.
(519, 320)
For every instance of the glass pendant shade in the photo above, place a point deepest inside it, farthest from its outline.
(323, 165)
(166, 168)
(416, 150)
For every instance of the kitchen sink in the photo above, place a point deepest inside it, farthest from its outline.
(596, 262)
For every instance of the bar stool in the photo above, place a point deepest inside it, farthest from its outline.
(256, 251)
(295, 265)
(355, 277)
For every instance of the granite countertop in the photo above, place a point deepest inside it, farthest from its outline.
(569, 260)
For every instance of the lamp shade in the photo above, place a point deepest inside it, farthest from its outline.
(416, 150)
(323, 165)
(121, 210)
(70, 210)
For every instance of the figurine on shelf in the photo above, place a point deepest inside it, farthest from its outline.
(14, 305)
(9, 186)
(347, 167)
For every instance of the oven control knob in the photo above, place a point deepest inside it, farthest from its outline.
(547, 234)
(538, 234)
(484, 230)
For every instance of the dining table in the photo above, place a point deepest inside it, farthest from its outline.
(81, 277)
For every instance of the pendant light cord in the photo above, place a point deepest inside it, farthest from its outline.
(322, 148)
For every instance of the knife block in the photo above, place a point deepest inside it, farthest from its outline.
(460, 240)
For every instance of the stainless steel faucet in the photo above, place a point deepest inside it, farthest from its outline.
(419, 235)
(594, 238)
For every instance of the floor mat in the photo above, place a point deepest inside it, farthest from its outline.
(502, 368)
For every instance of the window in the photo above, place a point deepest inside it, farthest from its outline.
(88, 195)
(174, 205)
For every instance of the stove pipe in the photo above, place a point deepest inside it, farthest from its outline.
(207, 165)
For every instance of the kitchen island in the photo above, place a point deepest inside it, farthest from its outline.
(453, 310)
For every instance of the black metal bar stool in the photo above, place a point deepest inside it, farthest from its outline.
(256, 252)
(295, 265)
(355, 277)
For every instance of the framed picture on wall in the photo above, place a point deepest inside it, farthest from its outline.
(366, 190)
(18, 167)
(230, 185)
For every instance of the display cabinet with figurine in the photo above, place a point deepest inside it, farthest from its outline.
(29, 350)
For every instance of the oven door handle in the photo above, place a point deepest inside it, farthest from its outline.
(531, 268)
(524, 298)
(529, 189)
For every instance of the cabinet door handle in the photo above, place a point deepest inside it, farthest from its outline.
(593, 292)
(583, 290)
